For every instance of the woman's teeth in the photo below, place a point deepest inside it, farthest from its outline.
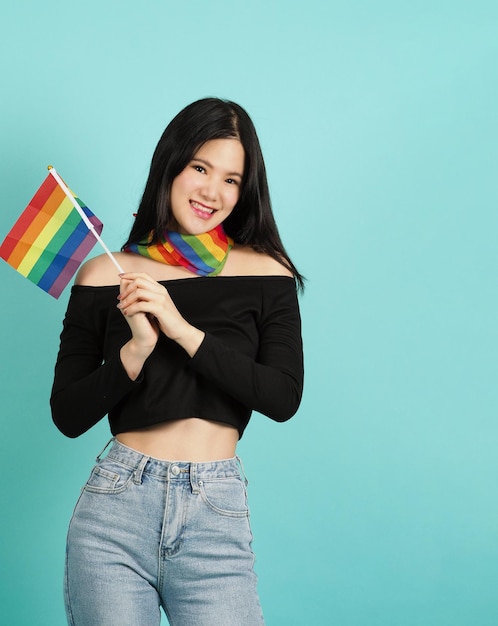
(201, 208)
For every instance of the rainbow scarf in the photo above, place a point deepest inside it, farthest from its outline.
(204, 254)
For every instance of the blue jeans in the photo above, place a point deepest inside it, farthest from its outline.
(147, 533)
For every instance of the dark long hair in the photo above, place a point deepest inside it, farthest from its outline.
(251, 222)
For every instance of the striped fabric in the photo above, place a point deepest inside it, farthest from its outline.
(50, 239)
(204, 254)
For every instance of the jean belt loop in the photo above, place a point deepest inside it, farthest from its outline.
(99, 455)
(194, 483)
(137, 474)
(242, 470)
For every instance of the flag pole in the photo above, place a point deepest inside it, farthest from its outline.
(89, 224)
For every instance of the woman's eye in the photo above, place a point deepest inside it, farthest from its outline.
(231, 181)
(199, 168)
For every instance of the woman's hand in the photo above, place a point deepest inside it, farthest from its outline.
(148, 308)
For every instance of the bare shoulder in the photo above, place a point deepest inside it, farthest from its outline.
(245, 261)
(100, 271)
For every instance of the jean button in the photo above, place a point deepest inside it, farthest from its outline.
(175, 470)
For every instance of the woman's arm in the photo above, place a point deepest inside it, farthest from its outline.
(85, 387)
(273, 382)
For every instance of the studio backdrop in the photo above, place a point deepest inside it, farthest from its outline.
(378, 122)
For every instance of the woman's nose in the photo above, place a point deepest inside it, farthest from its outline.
(209, 190)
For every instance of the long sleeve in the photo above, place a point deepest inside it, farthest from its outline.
(273, 382)
(86, 387)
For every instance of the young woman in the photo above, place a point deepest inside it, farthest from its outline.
(202, 328)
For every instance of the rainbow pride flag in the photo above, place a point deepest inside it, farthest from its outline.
(50, 239)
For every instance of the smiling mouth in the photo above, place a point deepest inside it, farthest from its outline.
(201, 209)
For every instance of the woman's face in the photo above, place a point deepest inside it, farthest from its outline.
(207, 190)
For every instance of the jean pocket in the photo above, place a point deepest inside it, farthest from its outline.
(226, 496)
(109, 477)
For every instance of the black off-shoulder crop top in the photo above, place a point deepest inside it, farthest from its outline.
(250, 359)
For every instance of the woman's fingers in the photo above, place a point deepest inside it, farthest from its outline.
(146, 300)
(133, 305)
(132, 282)
(139, 287)
(128, 279)
(141, 294)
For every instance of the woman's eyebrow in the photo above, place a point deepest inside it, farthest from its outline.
(204, 162)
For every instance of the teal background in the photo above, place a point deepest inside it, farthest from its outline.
(376, 505)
